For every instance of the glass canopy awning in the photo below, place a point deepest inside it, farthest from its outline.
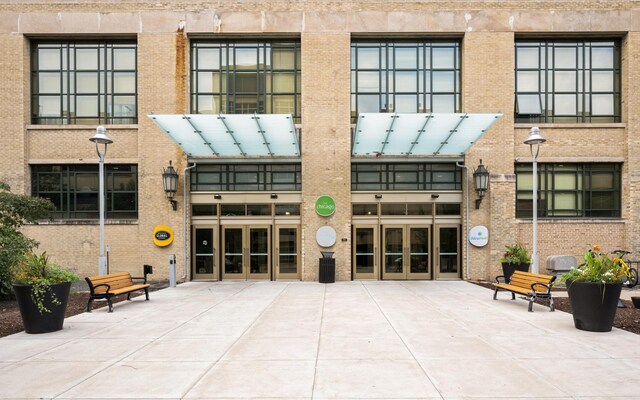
(231, 135)
(438, 134)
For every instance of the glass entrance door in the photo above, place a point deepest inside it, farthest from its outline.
(203, 263)
(447, 252)
(365, 251)
(287, 258)
(245, 252)
(406, 252)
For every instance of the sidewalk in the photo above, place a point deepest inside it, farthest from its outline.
(428, 340)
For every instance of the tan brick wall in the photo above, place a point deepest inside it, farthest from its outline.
(325, 28)
(488, 86)
(13, 147)
(326, 147)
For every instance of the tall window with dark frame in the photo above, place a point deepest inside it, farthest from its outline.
(405, 76)
(74, 190)
(567, 81)
(570, 190)
(249, 177)
(405, 176)
(83, 82)
(246, 77)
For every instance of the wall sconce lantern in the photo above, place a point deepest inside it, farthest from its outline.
(170, 183)
(480, 182)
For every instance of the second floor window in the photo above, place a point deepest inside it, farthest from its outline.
(567, 81)
(405, 77)
(83, 82)
(240, 77)
(409, 176)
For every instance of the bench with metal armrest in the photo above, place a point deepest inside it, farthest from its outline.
(534, 286)
(111, 285)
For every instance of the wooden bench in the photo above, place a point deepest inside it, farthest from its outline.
(111, 285)
(534, 286)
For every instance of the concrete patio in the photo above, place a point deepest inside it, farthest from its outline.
(428, 340)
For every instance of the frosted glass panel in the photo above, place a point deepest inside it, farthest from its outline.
(419, 133)
(231, 135)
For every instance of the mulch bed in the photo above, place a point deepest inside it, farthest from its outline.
(626, 318)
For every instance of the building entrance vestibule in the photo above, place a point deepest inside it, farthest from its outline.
(239, 246)
(406, 247)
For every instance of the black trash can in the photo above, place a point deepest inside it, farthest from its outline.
(327, 267)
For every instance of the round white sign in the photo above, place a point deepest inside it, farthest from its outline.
(479, 236)
(326, 236)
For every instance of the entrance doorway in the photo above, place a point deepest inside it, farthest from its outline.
(365, 252)
(447, 252)
(287, 258)
(246, 252)
(204, 253)
(406, 252)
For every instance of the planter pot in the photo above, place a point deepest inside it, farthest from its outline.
(33, 321)
(636, 301)
(594, 305)
(508, 269)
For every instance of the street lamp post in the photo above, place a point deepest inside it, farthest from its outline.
(101, 138)
(535, 139)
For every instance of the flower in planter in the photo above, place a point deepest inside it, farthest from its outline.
(39, 272)
(516, 254)
(598, 267)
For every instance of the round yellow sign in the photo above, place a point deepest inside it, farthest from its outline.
(162, 236)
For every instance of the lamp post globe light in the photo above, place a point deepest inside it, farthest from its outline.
(534, 140)
(101, 138)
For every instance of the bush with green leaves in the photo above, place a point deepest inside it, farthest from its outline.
(15, 211)
(516, 254)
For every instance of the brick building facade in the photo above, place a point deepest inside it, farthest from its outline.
(486, 33)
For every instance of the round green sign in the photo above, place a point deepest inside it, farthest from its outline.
(325, 206)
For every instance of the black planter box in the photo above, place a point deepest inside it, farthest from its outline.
(594, 305)
(33, 321)
(508, 269)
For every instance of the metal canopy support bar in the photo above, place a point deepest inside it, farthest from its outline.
(261, 132)
(199, 133)
(420, 132)
(294, 132)
(394, 117)
(230, 132)
(451, 132)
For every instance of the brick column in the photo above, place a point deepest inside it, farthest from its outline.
(488, 86)
(326, 146)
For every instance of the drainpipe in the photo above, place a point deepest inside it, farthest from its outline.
(466, 219)
(184, 219)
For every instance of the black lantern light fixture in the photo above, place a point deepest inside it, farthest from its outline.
(480, 182)
(170, 183)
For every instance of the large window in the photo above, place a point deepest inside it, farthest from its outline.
(246, 177)
(405, 76)
(83, 82)
(569, 190)
(74, 189)
(567, 81)
(246, 77)
(409, 176)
